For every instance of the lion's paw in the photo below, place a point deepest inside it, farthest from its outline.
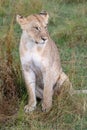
(29, 108)
(46, 107)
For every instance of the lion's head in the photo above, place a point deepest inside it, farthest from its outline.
(35, 26)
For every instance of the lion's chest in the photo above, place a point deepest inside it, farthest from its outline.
(33, 60)
(36, 59)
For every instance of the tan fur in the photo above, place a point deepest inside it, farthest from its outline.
(40, 61)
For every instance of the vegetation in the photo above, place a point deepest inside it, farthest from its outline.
(68, 28)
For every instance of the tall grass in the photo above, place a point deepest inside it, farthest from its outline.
(68, 28)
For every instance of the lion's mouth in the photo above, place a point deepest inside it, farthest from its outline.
(41, 42)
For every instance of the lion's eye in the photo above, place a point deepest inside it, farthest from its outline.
(37, 28)
(45, 27)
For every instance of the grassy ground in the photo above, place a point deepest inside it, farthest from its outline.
(68, 28)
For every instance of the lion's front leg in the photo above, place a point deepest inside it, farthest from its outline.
(30, 84)
(47, 93)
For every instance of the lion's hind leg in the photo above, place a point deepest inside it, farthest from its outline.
(63, 85)
(39, 92)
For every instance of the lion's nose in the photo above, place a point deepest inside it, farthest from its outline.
(44, 38)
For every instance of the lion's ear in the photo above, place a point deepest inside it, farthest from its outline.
(22, 21)
(45, 15)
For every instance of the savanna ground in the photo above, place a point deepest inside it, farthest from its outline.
(68, 28)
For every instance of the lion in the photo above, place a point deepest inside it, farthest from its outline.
(40, 61)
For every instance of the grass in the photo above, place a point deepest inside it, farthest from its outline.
(68, 28)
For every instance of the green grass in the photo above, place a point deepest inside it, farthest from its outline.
(68, 28)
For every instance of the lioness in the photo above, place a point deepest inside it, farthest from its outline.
(40, 61)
